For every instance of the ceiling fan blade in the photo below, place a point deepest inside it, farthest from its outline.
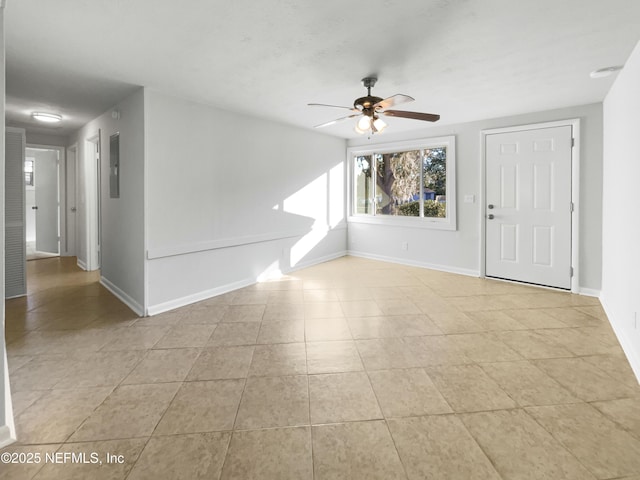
(393, 101)
(427, 117)
(337, 120)
(334, 106)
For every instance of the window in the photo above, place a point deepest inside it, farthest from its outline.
(28, 172)
(409, 183)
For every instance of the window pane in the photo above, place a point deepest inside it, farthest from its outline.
(362, 174)
(398, 183)
(434, 171)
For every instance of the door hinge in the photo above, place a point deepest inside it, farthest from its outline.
(573, 142)
(572, 206)
(570, 272)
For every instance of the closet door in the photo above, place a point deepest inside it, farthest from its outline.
(14, 214)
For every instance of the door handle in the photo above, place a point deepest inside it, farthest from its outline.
(73, 209)
(34, 207)
(491, 216)
(490, 206)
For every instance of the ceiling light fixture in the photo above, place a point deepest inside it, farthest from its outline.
(605, 72)
(47, 117)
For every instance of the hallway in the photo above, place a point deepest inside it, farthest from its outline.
(349, 369)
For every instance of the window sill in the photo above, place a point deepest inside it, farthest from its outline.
(411, 222)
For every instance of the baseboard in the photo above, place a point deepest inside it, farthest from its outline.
(123, 296)
(589, 292)
(413, 263)
(82, 265)
(625, 342)
(5, 436)
(214, 292)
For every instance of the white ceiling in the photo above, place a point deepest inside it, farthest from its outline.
(463, 59)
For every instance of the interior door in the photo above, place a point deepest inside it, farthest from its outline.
(46, 183)
(528, 211)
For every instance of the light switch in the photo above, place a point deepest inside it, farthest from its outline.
(469, 199)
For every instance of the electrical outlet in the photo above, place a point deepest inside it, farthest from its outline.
(405, 246)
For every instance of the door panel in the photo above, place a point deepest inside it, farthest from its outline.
(528, 185)
(46, 183)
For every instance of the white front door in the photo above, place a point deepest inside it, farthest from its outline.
(528, 210)
(46, 183)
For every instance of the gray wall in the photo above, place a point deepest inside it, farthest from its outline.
(460, 250)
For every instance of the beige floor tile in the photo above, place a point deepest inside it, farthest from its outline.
(279, 359)
(455, 322)
(496, 320)
(158, 366)
(572, 317)
(595, 311)
(326, 329)
(274, 402)
(519, 448)
(244, 313)
(202, 407)
(204, 313)
(281, 331)
(468, 389)
(527, 384)
(238, 333)
(244, 297)
(221, 363)
(355, 451)
(584, 380)
(22, 400)
(41, 373)
(392, 326)
(333, 357)
(533, 344)
(323, 310)
(384, 353)
(361, 308)
(579, 342)
(354, 294)
(484, 347)
(101, 369)
(128, 449)
(319, 295)
(162, 319)
(342, 397)
(440, 447)
(57, 414)
(136, 338)
(433, 350)
(391, 306)
(617, 367)
(407, 392)
(625, 412)
(22, 470)
(274, 454)
(283, 312)
(534, 318)
(185, 337)
(130, 411)
(285, 297)
(604, 448)
(195, 456)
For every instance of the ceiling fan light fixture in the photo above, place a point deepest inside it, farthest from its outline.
(364, 123)
(378, 124)
(47, 117)
(605, 72)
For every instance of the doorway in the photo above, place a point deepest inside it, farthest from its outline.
(530, 193)
(42, 201)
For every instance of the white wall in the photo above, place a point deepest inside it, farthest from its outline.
(621, 204)
(459, 251)
(232, 197)
(49, 140)
(122, 248)
(7, 431)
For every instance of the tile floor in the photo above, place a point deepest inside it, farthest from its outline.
(352, 369)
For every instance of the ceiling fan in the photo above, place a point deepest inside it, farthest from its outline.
(370, 109)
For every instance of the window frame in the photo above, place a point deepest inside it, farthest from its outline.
(447, 223)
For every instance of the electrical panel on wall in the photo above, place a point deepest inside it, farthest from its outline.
(114, 165)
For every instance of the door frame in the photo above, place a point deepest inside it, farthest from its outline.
(575, 191)
(68, 200)
(93, 214)
(62, 173)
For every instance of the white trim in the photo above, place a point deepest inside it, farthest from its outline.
(414, 263)
(448, 223)
(589, 292)
(625, 342)
(229, 287)
(81, 264)
(122, 296)
(5, 436)
(92, 215)
(574, 123)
